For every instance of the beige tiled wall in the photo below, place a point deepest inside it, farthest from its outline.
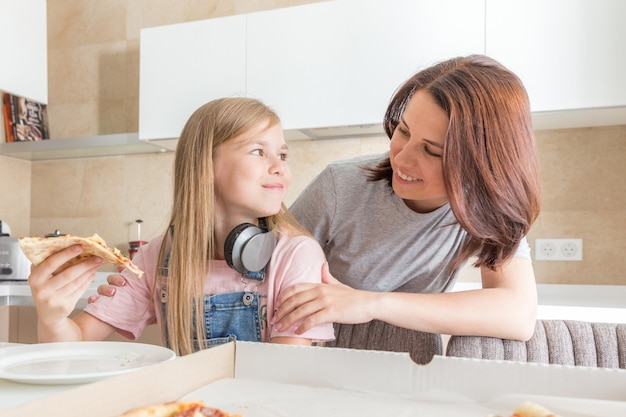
(15, 178)
(584, 196)
(93, 89)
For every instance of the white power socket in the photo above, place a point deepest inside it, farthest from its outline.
(559, 249)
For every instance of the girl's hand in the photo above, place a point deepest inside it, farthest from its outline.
(309, 305)
(108, 290)
(55, 296)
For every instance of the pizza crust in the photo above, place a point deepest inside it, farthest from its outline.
(178, 408)
(38, 249)
(530, 409)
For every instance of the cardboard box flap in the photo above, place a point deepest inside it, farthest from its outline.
(464, 379)
(360, 370)
(482, 380)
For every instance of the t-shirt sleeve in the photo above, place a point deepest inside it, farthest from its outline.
(131, 309)
(297, 260)
(523, 249)
(315, 207)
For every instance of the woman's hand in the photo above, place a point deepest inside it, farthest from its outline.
(55, 296)
(329, 302)
(108, 290)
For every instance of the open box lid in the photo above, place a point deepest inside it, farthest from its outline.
(391, 374)
(395, 373)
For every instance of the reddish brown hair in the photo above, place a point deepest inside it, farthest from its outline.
(490, 166)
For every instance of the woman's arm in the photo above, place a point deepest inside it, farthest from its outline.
(505, 307)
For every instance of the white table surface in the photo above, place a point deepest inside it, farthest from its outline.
(15, 393)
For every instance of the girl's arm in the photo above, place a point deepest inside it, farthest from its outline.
(292, 341)
(504, 308)
(55, 297)
(82, 327)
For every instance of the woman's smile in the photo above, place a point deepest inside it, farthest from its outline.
(405, 177)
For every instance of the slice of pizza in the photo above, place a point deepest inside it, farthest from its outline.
(192, 408)
(530, 409)
(37, 249)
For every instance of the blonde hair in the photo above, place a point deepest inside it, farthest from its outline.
(193, 213)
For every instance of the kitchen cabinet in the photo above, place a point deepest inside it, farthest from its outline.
(338, 63)
(330, 68)
(183, 66)
(24, 42)
(570, 54)
(333, 63)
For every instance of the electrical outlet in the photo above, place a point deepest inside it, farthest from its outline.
(559, 249)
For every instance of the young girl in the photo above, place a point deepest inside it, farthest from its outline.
(231, 247)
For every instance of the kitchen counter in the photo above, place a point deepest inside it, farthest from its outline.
(594, 303)
(18, 317)
(17, 293)
(591, 303)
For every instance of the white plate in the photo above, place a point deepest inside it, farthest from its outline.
(77, 362)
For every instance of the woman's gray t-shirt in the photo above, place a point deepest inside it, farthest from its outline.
(372, 240)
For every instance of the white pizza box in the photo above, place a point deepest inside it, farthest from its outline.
(261, 379)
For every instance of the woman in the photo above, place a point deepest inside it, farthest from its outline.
(460, 181)
(231, 248)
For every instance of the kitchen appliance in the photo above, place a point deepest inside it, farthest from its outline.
(135, 244)
(14, 265)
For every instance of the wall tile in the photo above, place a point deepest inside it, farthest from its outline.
(73, 74)
(74, 23)
(15, 186)
(583, 169)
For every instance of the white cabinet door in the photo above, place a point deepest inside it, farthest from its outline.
(338, 63)
(185, 65)
(24, 46)
(570, 54)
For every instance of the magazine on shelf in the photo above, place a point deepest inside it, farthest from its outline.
(24, 119)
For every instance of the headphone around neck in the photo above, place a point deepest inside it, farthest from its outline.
(248, 248)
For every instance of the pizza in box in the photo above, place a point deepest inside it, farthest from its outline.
(529, 409)
(196, 408)
(178, 409)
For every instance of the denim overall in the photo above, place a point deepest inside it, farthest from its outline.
(227, 316)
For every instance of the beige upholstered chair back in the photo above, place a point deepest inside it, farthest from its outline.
(378, 335)
(564, 342)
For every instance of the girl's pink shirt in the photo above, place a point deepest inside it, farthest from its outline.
(296, 259)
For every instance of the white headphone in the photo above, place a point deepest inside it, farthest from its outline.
(248, 249)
